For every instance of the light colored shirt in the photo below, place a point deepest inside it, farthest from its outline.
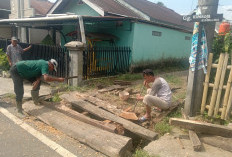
(15, 53)
(161, 89)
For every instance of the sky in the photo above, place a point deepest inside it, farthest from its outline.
(184, 7)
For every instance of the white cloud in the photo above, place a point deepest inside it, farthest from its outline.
(226, 11)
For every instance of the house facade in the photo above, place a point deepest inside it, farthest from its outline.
(153, 32)
(5, 31)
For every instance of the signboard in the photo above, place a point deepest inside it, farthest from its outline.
(203, 18)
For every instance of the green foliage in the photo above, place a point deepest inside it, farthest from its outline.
(214, 120)
(163, 127)
(222, 44)
(56, 98)
(142, 153)
(4, 65)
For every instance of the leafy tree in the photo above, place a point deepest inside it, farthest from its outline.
(161, 4)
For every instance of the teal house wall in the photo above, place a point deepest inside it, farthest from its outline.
(138, 36)
(171, 43)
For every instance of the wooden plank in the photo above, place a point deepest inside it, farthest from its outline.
(202, 127)
(195, 140)
(222, 78)
(81, 117)
(138, 130)
(206, 85)
(108, 89)
(216, 84)
(96, 101)
(106, 142)
(218, 141)
(193, 136)
(226, 97)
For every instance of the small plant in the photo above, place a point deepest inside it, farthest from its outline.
(56, 98)
(142, 153)
(4, 65)
(163, 127)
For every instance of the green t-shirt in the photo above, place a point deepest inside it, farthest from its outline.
(32, 68)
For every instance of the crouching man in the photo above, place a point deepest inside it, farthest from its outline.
(158, 95)
(34, 71)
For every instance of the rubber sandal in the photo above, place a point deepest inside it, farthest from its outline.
(143, 119)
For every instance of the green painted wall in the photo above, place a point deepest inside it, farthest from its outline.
(138, 36)
(171, 43)
(124, 32)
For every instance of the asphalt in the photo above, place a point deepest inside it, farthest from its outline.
(16, 142)
(7, 86)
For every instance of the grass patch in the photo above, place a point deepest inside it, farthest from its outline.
(163, 127)
(56, 98)
(143, 153)
(9, 95)
(173, 79)
(130, 77)
(213, 120)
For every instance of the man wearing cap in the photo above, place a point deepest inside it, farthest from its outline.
(34, 71)
(14, 51)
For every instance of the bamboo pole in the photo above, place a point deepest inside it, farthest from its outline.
(216, 84)
(222, 78)
(206, 84)
(228, 109)
(226, 97)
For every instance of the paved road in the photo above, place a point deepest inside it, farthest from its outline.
(17, 142)
(6, 86)
(29, 137)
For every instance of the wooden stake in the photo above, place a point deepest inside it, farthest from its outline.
(228, 109)
(206, 87)
(226, 97)
(195, 140)
(223, 73)
(216, 84)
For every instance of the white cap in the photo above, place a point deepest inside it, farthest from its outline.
(55, 64)
(14, 38)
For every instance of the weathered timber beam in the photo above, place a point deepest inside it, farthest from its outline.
(138, 130)
(202, 127)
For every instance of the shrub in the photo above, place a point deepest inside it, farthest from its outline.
(4, 65)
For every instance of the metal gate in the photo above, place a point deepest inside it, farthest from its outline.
(105, 61)
(45, 52)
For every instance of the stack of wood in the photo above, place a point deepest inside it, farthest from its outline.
(110, 122)
(212, 134)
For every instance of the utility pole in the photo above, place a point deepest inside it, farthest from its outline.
(196, 79)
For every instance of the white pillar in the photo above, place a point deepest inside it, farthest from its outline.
(76, 64)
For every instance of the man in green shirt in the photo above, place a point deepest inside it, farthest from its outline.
(34, 71)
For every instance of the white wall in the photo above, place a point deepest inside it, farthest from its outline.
(37, 35)
(5, 32)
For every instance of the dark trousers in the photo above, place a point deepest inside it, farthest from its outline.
(18, 83)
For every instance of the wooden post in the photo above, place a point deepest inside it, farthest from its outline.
(228, 109)
(216, 85)
(223, 73)
(206, 84)
(226, 97)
